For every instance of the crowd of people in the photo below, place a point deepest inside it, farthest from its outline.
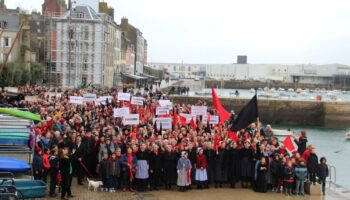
(87, 141)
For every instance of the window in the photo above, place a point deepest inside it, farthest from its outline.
(39, 31)
(80, 15)
(174, 68)
(6, 42)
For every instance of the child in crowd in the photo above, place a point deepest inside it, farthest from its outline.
(105, 173)
(300, 177)
(288, 178)
(312, 164)
(322, 173)
(38, 164)
(46, 164)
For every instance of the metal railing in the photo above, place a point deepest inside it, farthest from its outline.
(332, 175)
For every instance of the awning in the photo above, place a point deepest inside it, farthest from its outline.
(134, 76)
(275, 78)
(148, 76)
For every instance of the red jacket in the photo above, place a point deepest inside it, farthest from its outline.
(201, 161)
(46, 162)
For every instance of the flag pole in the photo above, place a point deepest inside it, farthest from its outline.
(257, 119)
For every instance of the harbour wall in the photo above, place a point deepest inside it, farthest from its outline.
(286, 112)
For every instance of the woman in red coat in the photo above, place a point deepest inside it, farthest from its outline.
(201, 169)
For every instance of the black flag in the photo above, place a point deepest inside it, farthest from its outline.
(247, 115)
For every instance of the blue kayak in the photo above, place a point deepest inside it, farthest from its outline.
(13, 165)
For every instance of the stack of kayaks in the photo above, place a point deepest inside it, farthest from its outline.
(14, 130)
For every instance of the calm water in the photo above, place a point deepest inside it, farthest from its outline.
(245, 93)
(330, 143)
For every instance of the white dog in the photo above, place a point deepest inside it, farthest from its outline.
(94, 184)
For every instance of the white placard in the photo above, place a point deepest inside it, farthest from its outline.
(31, 98)
(137, 101)
(89, 97)
(76, 100)
(162, 111)
(214, 119)
(120, 112)
(166, 122)
(199, 110)
(123, 96)
(166, 103)
(131, 119)
(102, 100)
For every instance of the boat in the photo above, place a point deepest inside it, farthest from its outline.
(279, 132)
(202, 93)
(252, 90)
(347, 136)
(290, 90)
(266, 89)
(281, 89)
(13, 165)
(20, 113)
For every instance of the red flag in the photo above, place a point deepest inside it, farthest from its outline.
(193, 124)
(290, 145)
(175, 119)
(232, 135)
(224, 114)
(183, 120)
(189, 175)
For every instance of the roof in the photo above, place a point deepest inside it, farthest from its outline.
(148, 76)
(13, 22)
(134, 76)
(88, 13)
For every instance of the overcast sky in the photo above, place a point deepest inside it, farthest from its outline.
(216, 31)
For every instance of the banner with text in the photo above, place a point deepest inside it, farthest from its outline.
(137, 101)
(131, 119)
(214, 119)
(89, 97)
(166, 122)
(199, 110)
(76, 100)
(162, 111)
(166, 103)
(123, 96)
(102, 100)
(120, 112)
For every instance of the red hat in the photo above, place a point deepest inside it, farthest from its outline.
(38, 149)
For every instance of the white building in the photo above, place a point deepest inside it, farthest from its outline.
(302, 73)
(84, 47)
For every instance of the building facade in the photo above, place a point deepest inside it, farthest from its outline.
(54, 7)
(82, 48)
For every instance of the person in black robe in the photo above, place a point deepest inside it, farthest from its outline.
(78, 156)
(246, 157)
(91, 152)
(261, 182)
(192, 152)
(155, 168)
(65, 167)
(169, 160)
(211, 154)
(233, 164)
(220, 165)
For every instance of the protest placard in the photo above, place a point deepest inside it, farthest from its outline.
(123, 96)
(76, 100)
(120, 112)
(166, 122)
(199, 110)
(131, 119)
(137, 101)
(162, 111)
(89, 97)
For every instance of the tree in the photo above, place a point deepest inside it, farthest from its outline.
(36, 72)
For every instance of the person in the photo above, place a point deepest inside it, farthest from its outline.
(192, 152)
(301, 141)
(78, 156)
(105, 174)
(113, 171)
(128, 165)
(312, 164)
(234, 164)
(169, 167)
(201, 169)
(322, 173)
(220, 165)
(261, 183)
(38, 166)
(53, 172)
(246, 157)
(65, 167)
(300, 177)
(288, 178)
(155, 168)
(210, 154)
(183, 172)
(46, 164)
(275, 166)
(142, 175)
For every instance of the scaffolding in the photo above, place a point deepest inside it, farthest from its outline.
(80, 51)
